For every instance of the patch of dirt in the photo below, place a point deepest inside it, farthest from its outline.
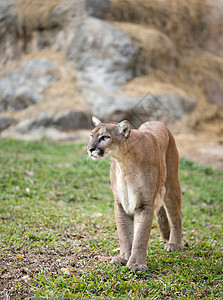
(21, 268)
(204, 148)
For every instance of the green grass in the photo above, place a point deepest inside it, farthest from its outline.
(57, 230)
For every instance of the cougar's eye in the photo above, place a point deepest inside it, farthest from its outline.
(104, 138)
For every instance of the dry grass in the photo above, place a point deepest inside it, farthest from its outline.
(189, 80)
(183, 21)
(31, 13)
(157, 50)
(149, 84)
(191, 72)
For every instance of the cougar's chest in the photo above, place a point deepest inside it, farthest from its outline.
(126, 194)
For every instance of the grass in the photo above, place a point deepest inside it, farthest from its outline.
(57, 230)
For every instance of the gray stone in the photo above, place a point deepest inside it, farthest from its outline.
(23, 97)
(5, 122)
(43, 120)
(7, 15)
(103, 54)
(23, 87)
(72, 120)
(67, 13)
(213, 89)
(8, 46)
(24, 126)
(18, 98)
(52, 134)
(6, 97)
(167, 107)
(68, 120)
(18, 36)
(99, 9)
(36, 73)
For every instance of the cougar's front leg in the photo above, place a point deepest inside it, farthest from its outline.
(124, 224)
(142, 226)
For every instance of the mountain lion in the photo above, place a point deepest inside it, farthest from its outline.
(144, 177)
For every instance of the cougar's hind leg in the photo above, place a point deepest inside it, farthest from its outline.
(175, 219)
(172, 205)
(161, 217)
(172, 199)
(162, 223)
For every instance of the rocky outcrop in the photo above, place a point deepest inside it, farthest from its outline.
(103, 55)
(213, 89)
(28, 27)
(5, 122)
(68, 120)
(103, 73)
(106, 46)
(167, 107)
(99, 9)
(25, 84)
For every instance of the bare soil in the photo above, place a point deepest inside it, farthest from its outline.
(203, 148)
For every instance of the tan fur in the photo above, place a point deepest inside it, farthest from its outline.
(144, 178)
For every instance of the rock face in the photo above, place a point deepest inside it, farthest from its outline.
(27, 27)
(103, 73)
(5, 122)
(167, 107)
(99, 9)
(64, 121)
(72, 120)
(213, 88)
(108, 68)
(107, 44)
(24, 85)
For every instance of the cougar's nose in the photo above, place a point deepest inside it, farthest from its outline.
(91, 149)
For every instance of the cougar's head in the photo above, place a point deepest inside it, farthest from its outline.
(106, 139)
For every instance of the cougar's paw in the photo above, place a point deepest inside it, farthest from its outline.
(118, 260)
(138, 267)
(172, 247)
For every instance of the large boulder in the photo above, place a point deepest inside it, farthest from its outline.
(68, 120)
(37, 73)
(107, 45)
(5, 122)
(29, 28)
(18, 98)
(23, 87)
(166, 106)
(103, 55)
(156, 50)
(98, 8)
(213, 89)
(108, 56)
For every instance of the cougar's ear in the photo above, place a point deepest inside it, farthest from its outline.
(96, 121)
(124, 128)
